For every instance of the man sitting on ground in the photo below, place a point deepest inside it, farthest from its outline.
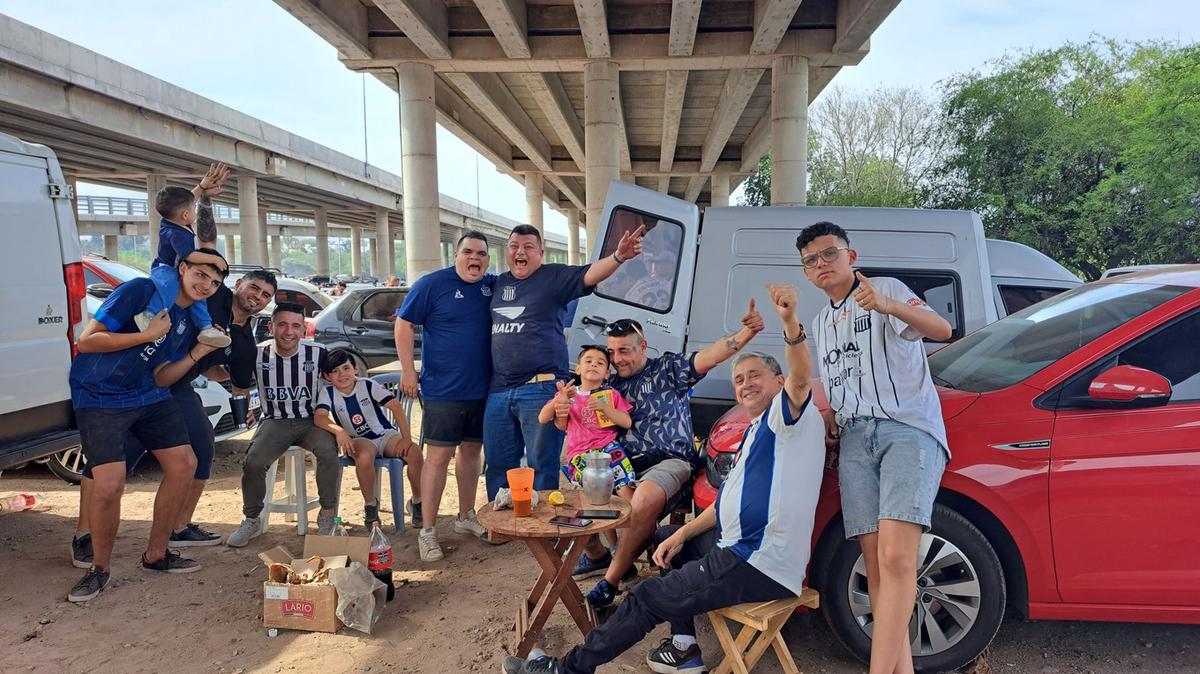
(351, 408)
(289, 378)
(763, 515)
(660, 444)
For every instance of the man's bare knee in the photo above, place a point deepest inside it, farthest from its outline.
(176, 461)
(648, 499)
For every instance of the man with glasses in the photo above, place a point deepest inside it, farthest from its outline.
(886, 412)
(529, 352)
(451, 306)
(661, 442)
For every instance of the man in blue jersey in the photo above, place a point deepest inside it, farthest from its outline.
(113, 391)
(529, 352)
(763, 517)
(451, 306)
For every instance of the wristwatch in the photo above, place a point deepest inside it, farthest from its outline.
(793, 341)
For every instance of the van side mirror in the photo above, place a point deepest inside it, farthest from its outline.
(99, 290)
(1129, 387)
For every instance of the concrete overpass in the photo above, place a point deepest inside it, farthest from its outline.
(682, 96)
(113, 125)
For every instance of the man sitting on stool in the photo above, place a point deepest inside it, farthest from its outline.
(763, 515)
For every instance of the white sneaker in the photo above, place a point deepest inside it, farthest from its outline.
(213, 337)
(427, 543)
(469, 525)
(248, 530)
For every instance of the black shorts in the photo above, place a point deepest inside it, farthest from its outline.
(103, 433)
(446, 423)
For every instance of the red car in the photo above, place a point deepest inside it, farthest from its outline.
(1074, 491)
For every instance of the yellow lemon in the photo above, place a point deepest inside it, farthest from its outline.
(556, 498)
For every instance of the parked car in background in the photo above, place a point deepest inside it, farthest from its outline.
(310, 297)
(1118, 271)
(101, 275)
(363, 322)
(1072, 491)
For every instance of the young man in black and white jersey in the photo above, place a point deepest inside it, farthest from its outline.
(886, 412)
(289, 379)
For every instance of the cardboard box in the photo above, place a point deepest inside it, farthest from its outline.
(309, 606)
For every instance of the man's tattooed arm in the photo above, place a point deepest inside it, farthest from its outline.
(206, 224)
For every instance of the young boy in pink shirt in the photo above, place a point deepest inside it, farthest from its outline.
(592, 421)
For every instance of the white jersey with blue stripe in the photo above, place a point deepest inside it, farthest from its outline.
(766, 506)
(359, 412)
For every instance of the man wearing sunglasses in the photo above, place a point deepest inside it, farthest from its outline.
(529, 352)
(661, 442)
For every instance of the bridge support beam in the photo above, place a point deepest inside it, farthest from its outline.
(720, 189)
(229, 249)
(387, 250)
(418, 155)
(277, 251)
(250, 223)
(789, 131)
(573, 236)
(111, 247)
(356, 267)
(602, 136)
(321, 217)
(533, 201)
(373, 256)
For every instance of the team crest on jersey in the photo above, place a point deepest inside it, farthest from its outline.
(179, 330)
(509, 293)
(646, 388)
(458, 294)
(309, 366)
(266, 367)
(486, 290)
(862, 323)
(357, 419)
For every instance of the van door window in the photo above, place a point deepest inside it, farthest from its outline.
(647, 281)
(1016, 298)
(940, 290)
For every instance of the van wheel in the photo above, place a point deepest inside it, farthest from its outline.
(68, 464)
(960, 602)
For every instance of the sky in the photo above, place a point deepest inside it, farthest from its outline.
(253, 56)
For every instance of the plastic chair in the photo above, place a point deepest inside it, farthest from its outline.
(295, 503)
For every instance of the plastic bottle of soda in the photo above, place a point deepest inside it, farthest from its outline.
(19, 502)
(379, 559)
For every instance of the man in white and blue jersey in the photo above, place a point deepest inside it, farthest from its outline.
(115, 395)
(352, 409)
(763, 521)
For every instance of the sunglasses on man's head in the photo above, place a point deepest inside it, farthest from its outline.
(623, 327)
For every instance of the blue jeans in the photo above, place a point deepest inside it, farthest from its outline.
(511, 430)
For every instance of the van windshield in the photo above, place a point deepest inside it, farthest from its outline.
(1014, 348)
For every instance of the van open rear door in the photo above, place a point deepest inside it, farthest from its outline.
(655, 288)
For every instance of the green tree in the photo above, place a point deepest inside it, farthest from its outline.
(757, 190)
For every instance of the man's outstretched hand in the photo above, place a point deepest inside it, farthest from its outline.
(213, 181)
(753, 320)
(784, 298)
(630, 245)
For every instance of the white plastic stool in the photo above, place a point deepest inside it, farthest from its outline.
(295, 503)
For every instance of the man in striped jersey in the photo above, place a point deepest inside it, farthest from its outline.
(289, 379)
(762, 519)
(886, 413)
(352, 409)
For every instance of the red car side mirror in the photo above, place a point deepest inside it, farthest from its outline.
(1129, 386)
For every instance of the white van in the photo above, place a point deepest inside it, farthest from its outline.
(692, 284)
(42, 308)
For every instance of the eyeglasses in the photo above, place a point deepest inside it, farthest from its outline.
(623, 327)
(828, 255)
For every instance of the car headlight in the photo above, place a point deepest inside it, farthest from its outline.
(718, 465)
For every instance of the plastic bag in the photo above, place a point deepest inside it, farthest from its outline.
(503, 499)
(361, 596)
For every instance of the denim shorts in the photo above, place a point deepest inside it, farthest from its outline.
(887, 470)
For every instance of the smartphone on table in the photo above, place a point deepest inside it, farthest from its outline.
(598, 514)
(575, 522)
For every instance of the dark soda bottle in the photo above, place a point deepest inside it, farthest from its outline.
(379, 559)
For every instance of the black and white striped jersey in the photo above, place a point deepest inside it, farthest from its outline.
(288, 385)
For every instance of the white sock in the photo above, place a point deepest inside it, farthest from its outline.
(683, 641)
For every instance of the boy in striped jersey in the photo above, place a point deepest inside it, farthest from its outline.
(351, 408)
(887, 415)
(289, 378)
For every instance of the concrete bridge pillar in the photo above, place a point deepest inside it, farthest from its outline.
(229, 249)
(418, 155)
(277, 251)
(356, 267)
(111, 247)
(386, 248)
(265, 257)
(533, 201)
(321, 216)
(720, 189)
(154, 183)
(601, 136)
(373, 256)
(248, 217)
(789, 131)
(573, 236)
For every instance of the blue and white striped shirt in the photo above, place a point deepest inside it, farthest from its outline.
(359, 412)
(766, 506)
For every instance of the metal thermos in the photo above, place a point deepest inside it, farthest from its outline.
(598, 478)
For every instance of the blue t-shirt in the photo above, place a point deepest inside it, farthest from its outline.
(124, 379)
(662, 419)
(174, 243)
(456, 360)
(527, 323)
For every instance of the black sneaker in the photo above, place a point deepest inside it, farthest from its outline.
(602, 595)
(171, 563)
(538, 663)
(81, 551)
(193, 536)
(667, 659)
(414, 511)
(89, 586)
(371, 516)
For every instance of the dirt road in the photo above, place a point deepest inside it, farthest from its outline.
(452, 616)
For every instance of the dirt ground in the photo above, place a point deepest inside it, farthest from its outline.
(450, 616)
